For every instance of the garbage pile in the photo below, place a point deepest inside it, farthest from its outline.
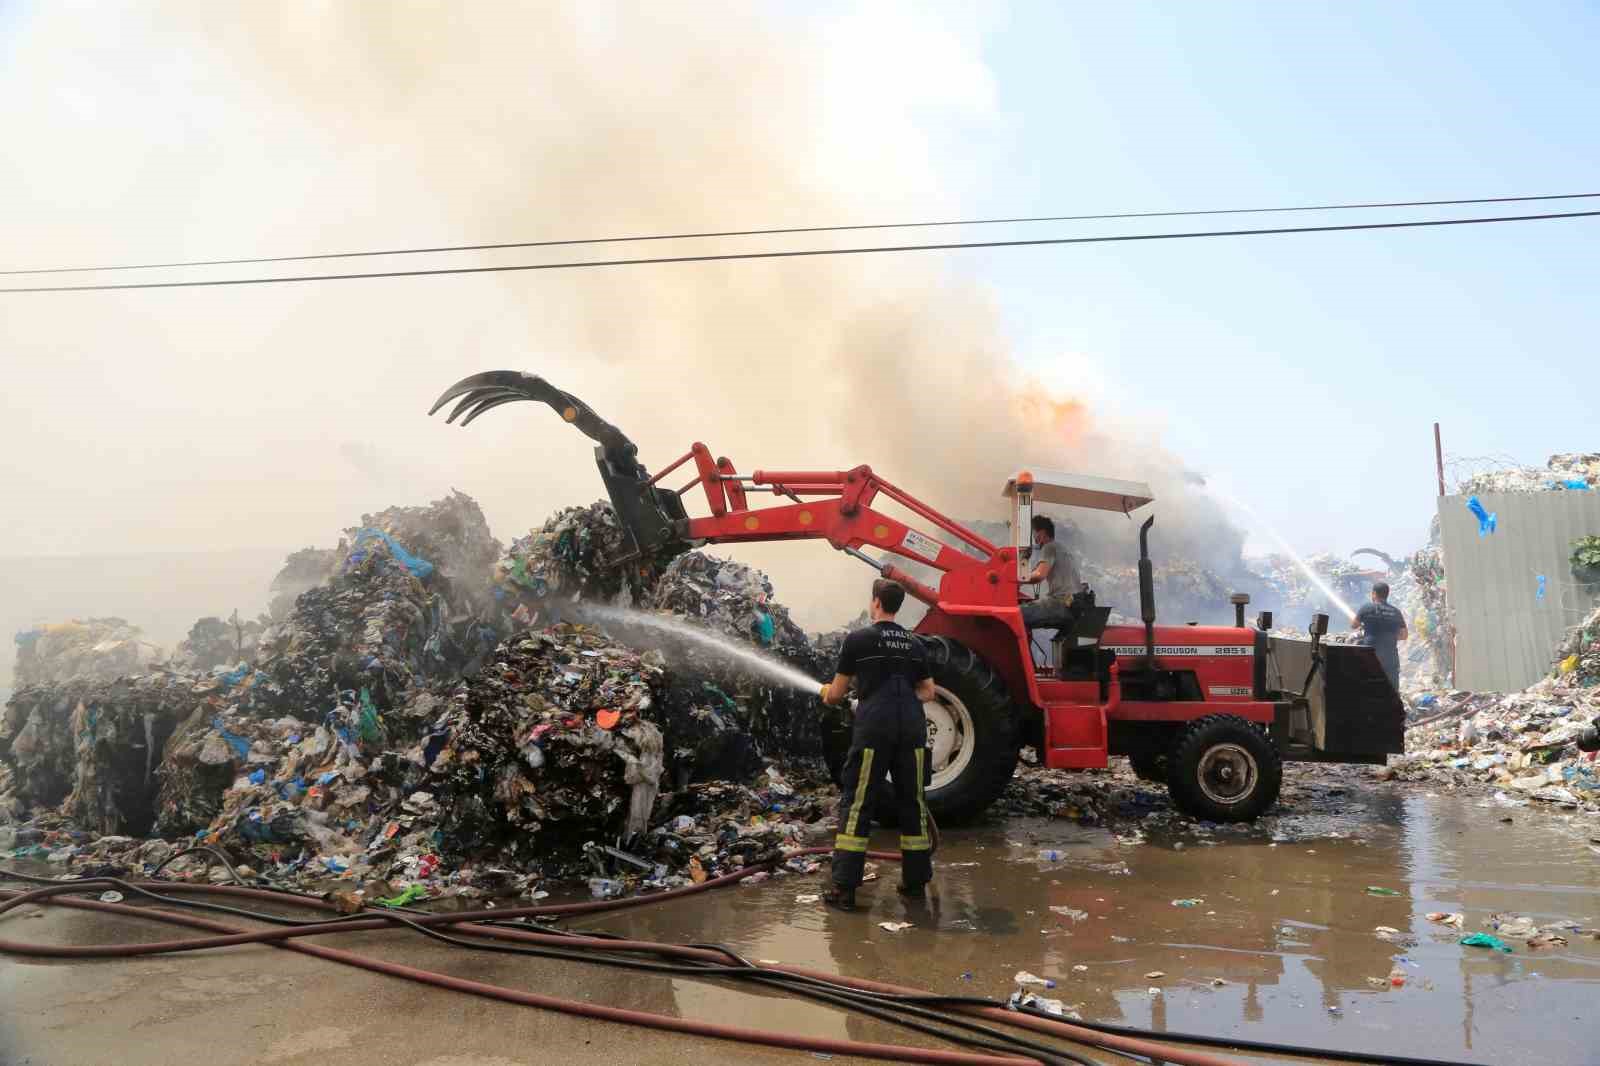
(549, 745)
(382, 734)
(1566, 472)
(1522, 743)
(304, 569)
(408, 603)
(727, 596)
(1428, 659)
(1184, 590)
(101, 648)
(570, 558)
(213, 642)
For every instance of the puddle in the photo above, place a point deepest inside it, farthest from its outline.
(1270, 933)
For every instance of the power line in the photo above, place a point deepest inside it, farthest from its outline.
(726, 257)
(803, 229)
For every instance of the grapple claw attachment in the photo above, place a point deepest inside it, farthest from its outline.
(653, 519)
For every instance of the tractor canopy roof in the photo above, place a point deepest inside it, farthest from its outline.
(1081, 490)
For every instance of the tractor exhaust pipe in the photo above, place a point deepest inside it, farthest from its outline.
(1147, 593)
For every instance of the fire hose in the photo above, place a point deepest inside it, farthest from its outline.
(502, 929)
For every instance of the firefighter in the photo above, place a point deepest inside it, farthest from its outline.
(890, 736)
(1382, 625)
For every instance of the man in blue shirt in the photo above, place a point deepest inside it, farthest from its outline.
(1382, 627)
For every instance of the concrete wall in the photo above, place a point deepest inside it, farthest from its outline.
(1505, 635)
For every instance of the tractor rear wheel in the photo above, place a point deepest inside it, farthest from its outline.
(973, 736)
(1224, 769)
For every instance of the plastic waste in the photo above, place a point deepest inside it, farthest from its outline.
(1051, 855)
(415, 565)
(412, 894)
(894, 927)
(1487, 520)
(1187, 902)
(1539, 595)
(606, 888)
(1023, 977)
(1031, 1001)
(1485, 940)
(1376, 890)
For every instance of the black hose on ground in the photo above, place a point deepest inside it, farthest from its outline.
(741, 967)
(895, 1010)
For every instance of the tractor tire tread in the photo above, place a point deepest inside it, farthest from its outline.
(1183, 761)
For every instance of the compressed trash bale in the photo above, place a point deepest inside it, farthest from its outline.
(36, 745)
(93, 747)
(87, 647)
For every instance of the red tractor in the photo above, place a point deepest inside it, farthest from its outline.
(1211, 711)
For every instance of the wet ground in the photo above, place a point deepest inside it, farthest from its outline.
(1287, 926)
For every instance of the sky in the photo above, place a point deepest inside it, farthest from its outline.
(1302, 373)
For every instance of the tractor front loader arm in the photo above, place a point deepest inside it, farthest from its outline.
(831, 505)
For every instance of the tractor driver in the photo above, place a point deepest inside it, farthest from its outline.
(1056, 572)
(890, 736)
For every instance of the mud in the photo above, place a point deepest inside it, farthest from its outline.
(1287, 925)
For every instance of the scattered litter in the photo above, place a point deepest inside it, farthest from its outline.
(111, 896)
(808, 897)
(1187, 902)
(1070, 913)
(894, 927)
(1375, 890)
(1446, 918)
(1023, 977)
(1485, 940)
(412, 894)
(1155, 975)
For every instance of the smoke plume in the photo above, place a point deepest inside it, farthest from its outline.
(270, 416)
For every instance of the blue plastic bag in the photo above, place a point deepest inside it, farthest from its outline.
(240, 746)
(416, 565)
(1487, 520)
(1540, 594)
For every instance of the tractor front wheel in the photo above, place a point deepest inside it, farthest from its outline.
(973, 736)
(1224, 769)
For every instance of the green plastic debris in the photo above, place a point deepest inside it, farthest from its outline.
(1374, 890)
(370, 726)
(413, 894)
(1485, 940)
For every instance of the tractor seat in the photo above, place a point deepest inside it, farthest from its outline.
(1062, 617)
